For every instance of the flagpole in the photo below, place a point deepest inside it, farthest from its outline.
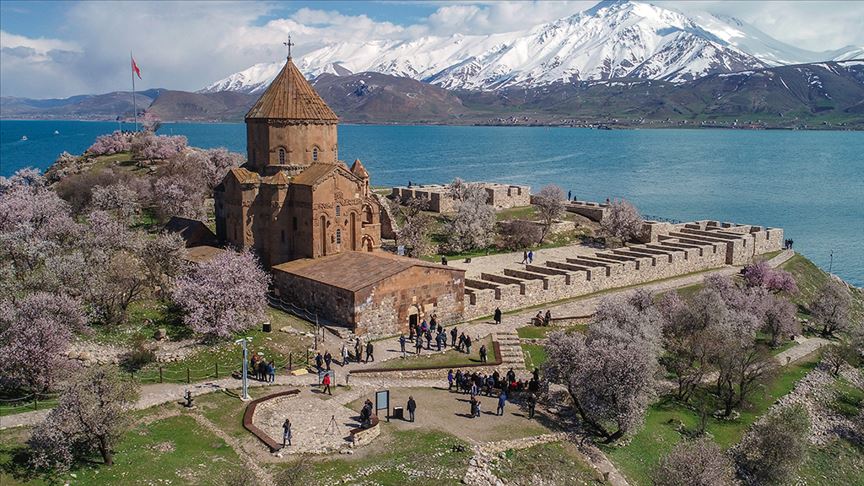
(134, 103)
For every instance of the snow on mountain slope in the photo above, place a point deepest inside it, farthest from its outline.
(613, 39)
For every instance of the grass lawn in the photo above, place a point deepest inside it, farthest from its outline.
(552, 463)
(202, 363)
(535, 355)
(398, 457)
(450, 358)
(540, 332)
(659, 434)
(810, 279)
(839, 462)
(184, 452)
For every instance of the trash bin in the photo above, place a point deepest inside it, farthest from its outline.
(267, 327)
(398, 413)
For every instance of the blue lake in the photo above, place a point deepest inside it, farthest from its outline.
(809, 183)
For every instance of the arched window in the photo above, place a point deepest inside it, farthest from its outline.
(338, 236)
(338, 210)
(314, 154)
(281, 156)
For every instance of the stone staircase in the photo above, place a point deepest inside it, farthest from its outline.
(511, 350)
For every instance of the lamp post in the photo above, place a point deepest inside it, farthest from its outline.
(243, 342)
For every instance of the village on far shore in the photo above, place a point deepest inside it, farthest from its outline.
(170, 314)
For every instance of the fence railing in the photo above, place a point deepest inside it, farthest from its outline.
(9, 406)
(169, 374)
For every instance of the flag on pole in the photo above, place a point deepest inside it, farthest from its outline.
(135, 68)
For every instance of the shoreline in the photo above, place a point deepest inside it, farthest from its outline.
(589, 126)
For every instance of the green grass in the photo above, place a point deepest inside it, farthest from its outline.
(535, 355)
(839, 462)
(810, 280)
(174, 450)
(12, 408)
(849, 399)
(540, 332)
(400, 457)
(521, 212)
(659, 434)
(450, 358)
(552, 463)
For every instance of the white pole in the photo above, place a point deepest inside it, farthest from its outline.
(245, 391)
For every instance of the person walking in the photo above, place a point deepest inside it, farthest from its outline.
(453, 334)
(468, 345)
(344, 355)
(271, 371)
(328, 358)
(418, 344)
(483, 353)
(369, 352)
(532, 403)
(524, 257)
(402, 344)
(502, 400)
(530, 256)
(358, 350)
(569, 195)
(319, 362)
(497, 315)
(449, 380)
(286, 433)
(547, 319)
(412, 406)
(326, 384)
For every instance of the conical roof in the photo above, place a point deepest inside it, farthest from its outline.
(291, 97)
(358, 169)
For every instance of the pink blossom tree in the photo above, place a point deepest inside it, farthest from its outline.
(149, 146)
(113, 143)
(91, 417)
(779, 319)
(117, 198)
(775, 280)
(831, 307)
(698, 462)
(35, 332)
(224, 295)
(179, 196)
(622, 221)
(550, 206)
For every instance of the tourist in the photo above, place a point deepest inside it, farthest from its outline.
(271, 372)
(547, 318)
(358, 351)
(502, 400)
(536, 374)
(497, 315)
(433, 323)
(569, 195)
(428, 340)
(402, 344)
(424, 327)
(458, 379)
(474, 390)
(468, 344)
(369, 352)
(439, 339)
(449, 380)
(410, 333)
(490, 385)
(461, 345)
(524, 257)
(412, 406)
(286, 433)
(453, 333)
(475, 407)
(418, 345)
(319, 362)
(530, 256)
(344, 355)
(538, 319)
(483, 353)
(444, 260)
(328, 358)
(325, 383)
(511, 376)
(532, 403)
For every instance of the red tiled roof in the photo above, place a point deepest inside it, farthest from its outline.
(291, 97)
(354, 270)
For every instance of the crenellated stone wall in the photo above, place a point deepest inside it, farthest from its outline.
(670, 250)
(499, 196)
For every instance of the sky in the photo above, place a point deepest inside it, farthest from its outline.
(62, 48)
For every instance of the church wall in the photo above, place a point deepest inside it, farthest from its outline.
(266, 137)
(333, 304)
(383, 309)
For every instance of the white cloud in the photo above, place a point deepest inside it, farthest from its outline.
(186, 45)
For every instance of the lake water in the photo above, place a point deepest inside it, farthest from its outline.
(809, 183)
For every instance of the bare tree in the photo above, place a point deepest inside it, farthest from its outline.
(837, 355)
(416, 226)
(550, 206)
(831, 307)
(774, 447)
(520, 234)
(90, 417)
(698, 462)
(622, 221)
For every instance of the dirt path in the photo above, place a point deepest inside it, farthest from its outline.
(261, 475)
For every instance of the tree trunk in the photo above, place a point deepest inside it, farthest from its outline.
(612, 438)
(107, 457)
(599, 429)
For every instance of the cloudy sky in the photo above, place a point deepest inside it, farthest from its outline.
(58, 49)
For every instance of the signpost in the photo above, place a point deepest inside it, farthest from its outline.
(382, 402)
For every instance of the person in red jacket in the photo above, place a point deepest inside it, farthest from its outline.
(326, 384)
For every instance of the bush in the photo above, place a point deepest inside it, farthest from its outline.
(139, 356)
(775, 447)
(520, 234)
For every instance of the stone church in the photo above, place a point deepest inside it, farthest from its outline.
(315, 223)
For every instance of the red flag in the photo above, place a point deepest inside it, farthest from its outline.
(135, 68)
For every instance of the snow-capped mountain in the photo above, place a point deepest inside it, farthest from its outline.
(613, 39)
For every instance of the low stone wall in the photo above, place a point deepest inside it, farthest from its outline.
(499, 196)
(361, 436)
(677, 250)
(257, 432)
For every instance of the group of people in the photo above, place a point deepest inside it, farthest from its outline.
(358, 352)
(477, 384)
(322, 361)
(527, 257)
(262, 369)
(430, 332)
(542, 319)
(787, 244)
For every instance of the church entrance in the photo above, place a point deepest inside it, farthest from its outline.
(412, 321)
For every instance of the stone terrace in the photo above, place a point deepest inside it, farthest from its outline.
(668, 250)
(499, 196)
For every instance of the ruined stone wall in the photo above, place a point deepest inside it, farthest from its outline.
(499, 196)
